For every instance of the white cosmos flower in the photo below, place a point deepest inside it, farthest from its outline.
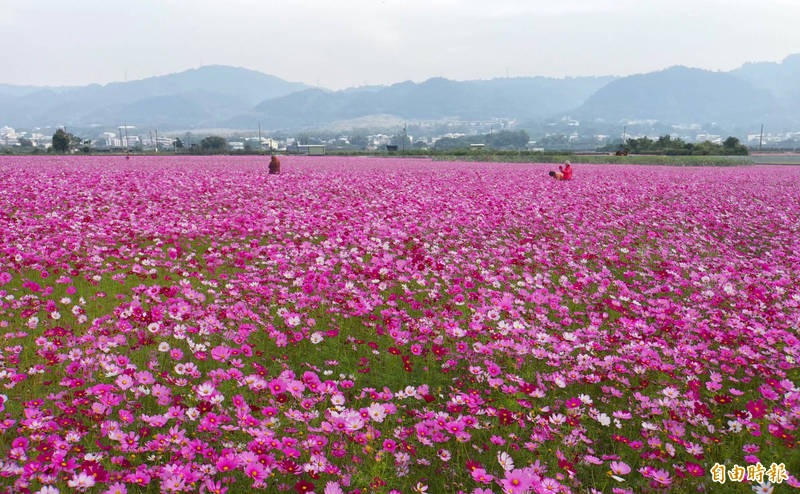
(376, 412)
(764, 488)
(505, 461)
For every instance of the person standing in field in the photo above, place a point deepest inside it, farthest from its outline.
(274, 165)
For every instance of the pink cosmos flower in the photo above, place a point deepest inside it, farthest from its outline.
(661, 476)
(751, 448)
(255, 471)
(480, 475)
(757, 408)
(517, 481)
(333, 488)
(694, 469)
(620, 468)
(81, 481)
(124, 382)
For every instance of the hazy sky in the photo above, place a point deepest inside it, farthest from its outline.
(346, 43)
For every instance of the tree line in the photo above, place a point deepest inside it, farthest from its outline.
(505, 139)
(670, 146)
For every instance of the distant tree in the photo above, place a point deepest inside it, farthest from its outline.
(555, 141)
(730, 142)
(507, 139)
(61, 141)
(214, 144)
(25, 142)
(178, 143)
(731, 145)
(74, 141)
(359, 140)
(447, 143)
(675, 146)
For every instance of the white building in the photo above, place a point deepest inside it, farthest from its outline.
(8, 136)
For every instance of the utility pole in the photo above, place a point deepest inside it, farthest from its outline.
(405, 136)
(624, 133)
(761, 138)
(260, 146)
(156, 140)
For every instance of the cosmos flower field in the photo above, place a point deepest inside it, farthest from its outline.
(360, 325)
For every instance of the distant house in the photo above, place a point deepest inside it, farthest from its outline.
(7, 132)
(236, 145)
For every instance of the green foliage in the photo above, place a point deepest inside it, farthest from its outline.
(668, 146)
(531, 157)
(61, 141)
(733, 145)
(510, 156)
(214, 144)
(178, 143)
(505, 139)
(24, 142)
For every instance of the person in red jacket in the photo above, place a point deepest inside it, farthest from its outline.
(566, 170)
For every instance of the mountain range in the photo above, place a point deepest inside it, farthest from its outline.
(237, 98)
(197, 97)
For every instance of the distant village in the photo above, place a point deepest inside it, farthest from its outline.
(564, 135)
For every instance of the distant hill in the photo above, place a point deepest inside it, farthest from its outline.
(678, 94)
(782, 80)
(437, 98)
(191, 98)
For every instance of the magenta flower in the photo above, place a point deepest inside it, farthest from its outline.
(517, 481)
(480, 475)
